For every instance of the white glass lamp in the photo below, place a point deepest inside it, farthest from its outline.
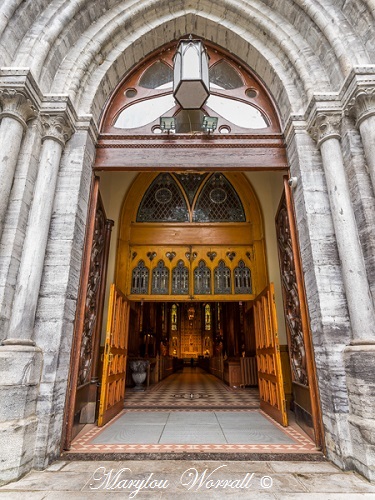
(191, 86)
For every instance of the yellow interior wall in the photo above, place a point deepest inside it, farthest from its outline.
(268, 187)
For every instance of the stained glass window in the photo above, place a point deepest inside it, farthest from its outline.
(180, 279)
(207, 317)
(174, 323)
(140, 279)
(224, 76)
(156, 76)
(202, 279)
(222, 278)
(160, 279)
(242, 279)
(218, 202)
(190, 182)
(163, 202)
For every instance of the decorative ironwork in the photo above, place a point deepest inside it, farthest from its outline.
(218, 202)
(202, 279)
(134, 255)
(180, 279)
(291, 298)
(92, 296)
(163, 202)
(222, 279)
(140, 277)
(190, 183)
(160, 279)
(242, 279)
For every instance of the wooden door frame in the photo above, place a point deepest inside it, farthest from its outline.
(305, 319)
(68, 420)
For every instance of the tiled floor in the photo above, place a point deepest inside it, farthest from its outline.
(193, 388)
(192, 412)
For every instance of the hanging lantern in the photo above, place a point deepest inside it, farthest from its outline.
(191, 87)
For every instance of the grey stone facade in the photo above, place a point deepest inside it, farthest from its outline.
(59, 63)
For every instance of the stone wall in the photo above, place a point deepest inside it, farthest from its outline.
(59, 64)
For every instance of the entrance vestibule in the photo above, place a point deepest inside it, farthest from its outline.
(198, 241)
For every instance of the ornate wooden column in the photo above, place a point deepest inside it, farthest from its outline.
(326, 131)
(17, 110)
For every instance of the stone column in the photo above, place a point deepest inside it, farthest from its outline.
(56, 132)
(359, 357)
(17, 109)
(20, 360)
(362, 106)
(326, 131)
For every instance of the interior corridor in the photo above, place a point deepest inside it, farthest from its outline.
(192, 411)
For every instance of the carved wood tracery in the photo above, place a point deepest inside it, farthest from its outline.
(291, 298)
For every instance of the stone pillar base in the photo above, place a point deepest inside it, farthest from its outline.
(360, 370)
(20, 372)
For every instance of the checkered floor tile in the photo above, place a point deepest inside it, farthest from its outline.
(193, 388)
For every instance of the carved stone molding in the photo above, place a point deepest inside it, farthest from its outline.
(56, 127)
(326, 126)
(362, 104)
(15, 104)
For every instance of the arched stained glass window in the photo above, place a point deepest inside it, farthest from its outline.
(218, 202)
(180, 279)
(242, 279)
(163, 202)
(160, 279)
(190, 182)
(222, 278)
(140, 279)
(202, 279)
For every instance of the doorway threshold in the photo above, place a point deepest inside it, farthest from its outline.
(193, 434)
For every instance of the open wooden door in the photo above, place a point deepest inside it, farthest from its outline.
(271, 387)
(115, 356)
(306, 406)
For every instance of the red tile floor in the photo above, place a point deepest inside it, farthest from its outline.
(195, 412)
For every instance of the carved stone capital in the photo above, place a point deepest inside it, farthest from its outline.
(362, 104)
(56, 127)
(325, 126)
(15, 104)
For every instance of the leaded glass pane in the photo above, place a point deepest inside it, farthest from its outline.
(222, 278)
(225, 76)
(218, 202)
(157, 75)
(160, 279)
(242, 279)
(163, 202)
(140, 279)
(190, 183)
(180, 279)
(202, 279)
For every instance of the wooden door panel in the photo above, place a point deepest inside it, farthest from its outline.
(305, 391)
(271, 387)
(115, 357)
